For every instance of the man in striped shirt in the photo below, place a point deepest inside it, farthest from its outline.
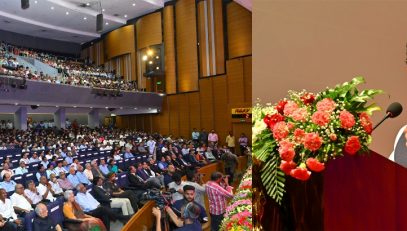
(218, 191)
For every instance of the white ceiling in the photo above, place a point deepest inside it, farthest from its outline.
(65, 19)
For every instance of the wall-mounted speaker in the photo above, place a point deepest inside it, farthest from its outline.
(99, 23)
(111, 109)
(25, 4)
(34, 107)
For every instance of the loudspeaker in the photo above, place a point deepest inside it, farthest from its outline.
(34, 107)
(111, 109)
(25, 4)
(99, 23)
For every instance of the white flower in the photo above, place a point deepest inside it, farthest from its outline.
(258, 127)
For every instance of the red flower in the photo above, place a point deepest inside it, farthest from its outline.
(286, 150)
(352, 145)
(289, 108)
(280, 130)
(280, 106)
(300, 114)
(299, 135)
(321, 118)
(271, 120)
(326, 105)
(290, 125)
(366, 122)
(312, 141)
(300, 173)
(314, 165)
(286, 166)
(307, 98)
(347, 119)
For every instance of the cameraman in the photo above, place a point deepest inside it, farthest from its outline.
(187, 222)
(176, 187)
(218, 191)
(189, 196)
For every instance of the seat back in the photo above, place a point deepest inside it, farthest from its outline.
(28, 221)
(55, 210)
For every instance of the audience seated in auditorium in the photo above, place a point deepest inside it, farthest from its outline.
(74, 210)
(56, 188)
(7, 212)
(32, 193)
(115, 191)
(144, 173)
(105, 198)
(42, 222)
(45, 189)
(64, 182)
(8, 184)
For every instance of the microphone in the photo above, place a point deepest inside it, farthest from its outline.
(393, 110)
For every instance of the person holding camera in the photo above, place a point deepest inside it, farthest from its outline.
(176, 187)
(218, 191)
(187, 222)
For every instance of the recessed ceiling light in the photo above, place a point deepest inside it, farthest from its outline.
(151, 62)
(103, 10)
(145, 57)
(52, 8)
(106, 107)
(134, 4)
(125, 15)
(38, 105)
(35, 2)
(88, 4)
(157, 68)
(90, 107)
(121, 107)
(74, 106)
(16, 104)
(106, 23)
(135, 108)
(85, 18)
(57, 106)
(67, 13)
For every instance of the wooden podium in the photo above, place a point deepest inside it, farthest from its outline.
(366, 192)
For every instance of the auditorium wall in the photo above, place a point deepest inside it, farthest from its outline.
(208, 105)
(314, 44)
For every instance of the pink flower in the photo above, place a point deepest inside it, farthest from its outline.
(333, 137)
(314, 165)
(326, 105)
(366, 122)
(352, 145)
(289, 108)
(321, 118)
(300, 173)
(300, 114)
(312, 141)
(280, 130)
(347, 119)
(290, 125)
(286, 150)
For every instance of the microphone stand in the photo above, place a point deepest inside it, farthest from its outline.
(386, 117)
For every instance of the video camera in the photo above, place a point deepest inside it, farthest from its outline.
(162, 199)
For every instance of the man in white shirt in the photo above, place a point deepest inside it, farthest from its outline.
(25, 158)
(151, 145)
(45, 189)
(32, 193)
(7, 210)
(59, 168)
(20, 201)
(177, 186)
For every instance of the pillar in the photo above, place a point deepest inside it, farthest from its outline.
(60, 118)
(93, 118)
(20, 119)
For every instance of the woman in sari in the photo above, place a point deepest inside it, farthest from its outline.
(72, 210)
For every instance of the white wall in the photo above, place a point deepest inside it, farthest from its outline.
(81, 118)
(312, 44)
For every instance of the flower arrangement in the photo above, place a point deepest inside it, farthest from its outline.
(238, 215)
(299, 134)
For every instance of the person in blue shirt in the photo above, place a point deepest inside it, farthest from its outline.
(73, 178)
(41, 172)
(81, 176)
(162, 164)
(103, 167)
(128, 154)
(8, 184)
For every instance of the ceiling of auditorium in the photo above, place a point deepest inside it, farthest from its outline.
(71, 20)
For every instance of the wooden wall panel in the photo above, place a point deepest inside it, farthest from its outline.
(148, 29)
(132, 122)
(155, 123)
(206, 99)
(183, 107)
(235, 81)
(194, 111)
(186, 38)
(203, 54)
(120, 41)
(247, 73)
(219, 37)
(169, 50)
(221, 109)
(147, 123)
(239, 27)
(174, 114)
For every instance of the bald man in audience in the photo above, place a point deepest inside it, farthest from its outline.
(20, 201)
(42, 222)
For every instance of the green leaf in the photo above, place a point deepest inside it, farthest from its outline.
(273, 179)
